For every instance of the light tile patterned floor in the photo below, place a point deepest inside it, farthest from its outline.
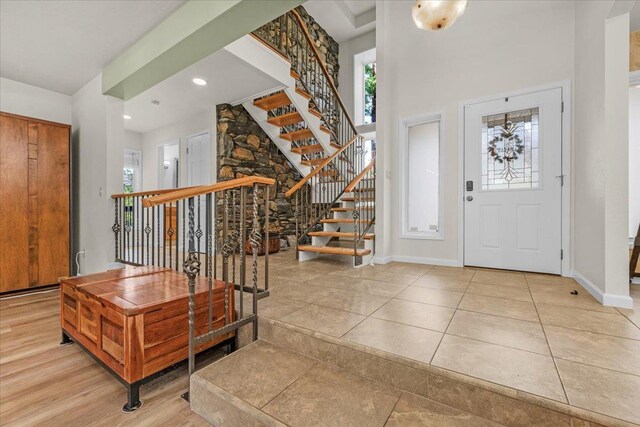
(525, 331)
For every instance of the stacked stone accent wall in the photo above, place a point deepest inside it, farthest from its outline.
(245, 150)
(327, 46)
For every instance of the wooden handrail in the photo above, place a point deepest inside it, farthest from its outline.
(146, 193)
(305, 30)
(316, 171)
(185, 193)
(358, 178)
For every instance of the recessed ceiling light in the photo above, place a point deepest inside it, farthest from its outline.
(126, 117)
(199, 81)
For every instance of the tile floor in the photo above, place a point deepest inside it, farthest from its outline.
(306, 392)
(520, 330)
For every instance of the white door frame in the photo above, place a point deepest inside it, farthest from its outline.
(160, 162)
(567, 201)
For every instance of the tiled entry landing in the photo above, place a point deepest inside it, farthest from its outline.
(263, 384)
(519, 334)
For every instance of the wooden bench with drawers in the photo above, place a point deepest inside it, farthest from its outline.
(134, 321)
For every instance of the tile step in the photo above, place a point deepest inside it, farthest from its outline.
(500, 404)
(266, 384)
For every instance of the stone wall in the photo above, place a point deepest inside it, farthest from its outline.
(326, 45)
(245, 150)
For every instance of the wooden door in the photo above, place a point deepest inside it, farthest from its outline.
(14, 204)
(34, 202)
(52, 203)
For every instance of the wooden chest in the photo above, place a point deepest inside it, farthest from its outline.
(135, 320)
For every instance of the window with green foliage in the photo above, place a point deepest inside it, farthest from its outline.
(370, 93)
(128, 180)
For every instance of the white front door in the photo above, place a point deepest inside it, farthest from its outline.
(513, 180)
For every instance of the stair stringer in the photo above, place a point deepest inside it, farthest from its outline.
(273, 132)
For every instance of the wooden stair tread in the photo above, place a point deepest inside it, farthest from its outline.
(361, 199)
(297, 134)
(313, 162)
(274, 101)
(294, 74)
(364, 190)
(335, 145)
(325, 129)
(303, 93)
(306, 149)
(334, 250)
(342, 221)
(369, 208)
(315, 112)
(285, 119)
(339, 234)
(331, 172)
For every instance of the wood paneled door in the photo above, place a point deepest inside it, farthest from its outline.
(34, 202)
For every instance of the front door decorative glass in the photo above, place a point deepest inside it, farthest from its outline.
(510, 150)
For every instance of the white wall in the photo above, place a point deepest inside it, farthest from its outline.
(600, 161)
(169, 134)
(634, 161)
(495, 47)
(133, 140)
(31, 101)
(98, 140)
(348, 49)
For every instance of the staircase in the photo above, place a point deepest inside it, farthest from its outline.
(308, 122)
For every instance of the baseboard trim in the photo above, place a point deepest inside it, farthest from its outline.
(608, 299)
(382, 260)
(417, 260)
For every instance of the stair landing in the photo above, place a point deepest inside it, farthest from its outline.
(265, 384)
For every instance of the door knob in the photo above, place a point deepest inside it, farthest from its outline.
(469, 198)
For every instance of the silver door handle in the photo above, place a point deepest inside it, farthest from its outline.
(561, 179)
(469, 198)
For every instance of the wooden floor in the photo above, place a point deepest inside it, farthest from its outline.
(43, 383)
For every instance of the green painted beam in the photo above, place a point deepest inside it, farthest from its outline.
(191, 33)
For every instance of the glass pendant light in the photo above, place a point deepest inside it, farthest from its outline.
(434, 15)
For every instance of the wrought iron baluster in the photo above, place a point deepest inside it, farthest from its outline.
(226, 251)
(192, 268)
(147, 231)
(116, 229)
(242, 238)
(266, 237)
(256, 242)
(209, 252)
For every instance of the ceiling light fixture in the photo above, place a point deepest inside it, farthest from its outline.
(434, 15)
(126, 117)
(199, 81)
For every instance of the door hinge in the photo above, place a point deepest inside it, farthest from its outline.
(561, 253)
(562, 107)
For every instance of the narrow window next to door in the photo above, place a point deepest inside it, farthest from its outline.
(132, 171)
(421, 178)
